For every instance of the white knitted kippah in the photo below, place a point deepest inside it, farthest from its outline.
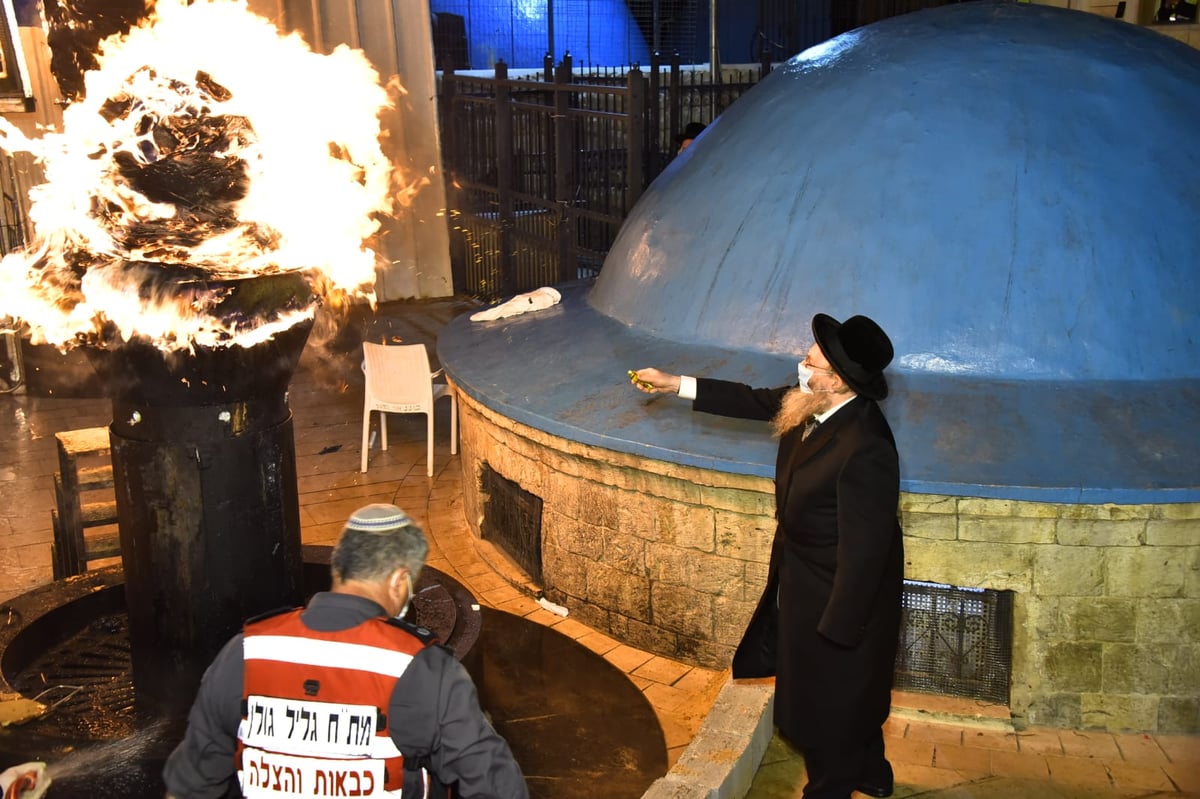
(378, 518)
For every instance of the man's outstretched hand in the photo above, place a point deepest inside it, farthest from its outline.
(654, 381)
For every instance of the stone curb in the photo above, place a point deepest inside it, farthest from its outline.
(722, 759)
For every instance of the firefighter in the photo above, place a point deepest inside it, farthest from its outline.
(343, 697)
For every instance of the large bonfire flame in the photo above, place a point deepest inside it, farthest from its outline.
(207, 149)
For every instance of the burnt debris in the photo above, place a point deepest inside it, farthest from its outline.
(75, 29)
(182, 158)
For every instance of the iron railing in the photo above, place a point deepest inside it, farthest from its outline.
(12, 217)
(542, 169)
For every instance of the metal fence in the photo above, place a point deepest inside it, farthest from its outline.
(542, 169)
(12, 219)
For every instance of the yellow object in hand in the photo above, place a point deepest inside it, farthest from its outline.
(637, 381)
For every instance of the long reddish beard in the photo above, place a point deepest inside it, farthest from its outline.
(797, 408)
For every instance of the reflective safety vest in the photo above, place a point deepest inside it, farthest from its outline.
(314, 708)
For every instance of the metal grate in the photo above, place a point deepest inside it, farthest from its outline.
(86, 680)
(512, 518)
(955, 641)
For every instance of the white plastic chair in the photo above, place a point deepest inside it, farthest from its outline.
(399, 381)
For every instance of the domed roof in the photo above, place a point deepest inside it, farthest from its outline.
(1010, 190)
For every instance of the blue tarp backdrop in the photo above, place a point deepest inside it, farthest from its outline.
(601, 32)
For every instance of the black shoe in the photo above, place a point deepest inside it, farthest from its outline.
(880, 784)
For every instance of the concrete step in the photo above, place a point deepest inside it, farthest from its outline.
(92, 478)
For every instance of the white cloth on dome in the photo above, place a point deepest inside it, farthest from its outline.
(535, 300)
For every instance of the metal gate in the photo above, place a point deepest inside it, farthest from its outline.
(542, 170)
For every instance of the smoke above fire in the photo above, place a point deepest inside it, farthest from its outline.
(208, 149)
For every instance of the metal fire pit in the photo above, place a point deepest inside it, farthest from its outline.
(204, 469)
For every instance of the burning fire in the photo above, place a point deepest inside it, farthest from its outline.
(208, 149)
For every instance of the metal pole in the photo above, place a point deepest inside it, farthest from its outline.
(635, 159)
(714, 48)
(564, 173)
(504, 181)
(656, 25)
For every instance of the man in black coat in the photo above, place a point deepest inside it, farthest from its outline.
(828, 621)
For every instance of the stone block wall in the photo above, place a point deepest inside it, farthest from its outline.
(1107, 605)
(672, 559)
(667, 558)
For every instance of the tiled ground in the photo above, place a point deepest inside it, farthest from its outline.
(935, 752)
(326, 401)
(957, 761)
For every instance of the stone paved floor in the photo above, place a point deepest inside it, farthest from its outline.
(949, 760)
(935, 753)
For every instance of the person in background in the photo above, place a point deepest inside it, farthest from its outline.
(684, 140)
(1176, 11)
(828, 621)
(344, 693)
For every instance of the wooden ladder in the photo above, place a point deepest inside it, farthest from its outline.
(84, 467)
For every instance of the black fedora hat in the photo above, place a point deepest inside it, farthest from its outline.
(858, 350)
(692, 130)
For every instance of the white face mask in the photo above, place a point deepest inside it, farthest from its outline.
(805, 374)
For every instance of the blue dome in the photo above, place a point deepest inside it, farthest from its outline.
(1011, 190)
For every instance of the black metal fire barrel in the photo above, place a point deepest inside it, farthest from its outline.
(204, 468)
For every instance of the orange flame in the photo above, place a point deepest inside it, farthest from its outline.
(210, 143)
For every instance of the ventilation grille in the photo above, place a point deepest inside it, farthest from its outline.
(955, 641)
(512, 519)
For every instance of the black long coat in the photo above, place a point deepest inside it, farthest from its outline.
(828, 621)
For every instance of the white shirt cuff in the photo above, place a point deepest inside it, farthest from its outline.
(687, 387)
